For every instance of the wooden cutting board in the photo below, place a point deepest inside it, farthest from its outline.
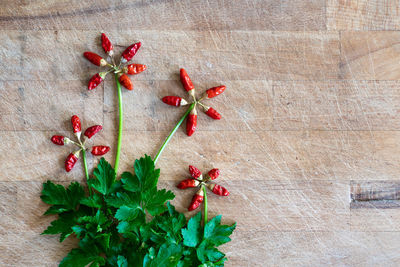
(309, 143)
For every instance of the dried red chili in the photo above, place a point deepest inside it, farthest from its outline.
(100, 150)
(117, 69)
(218, 190)
(71, 160)
(92, 130)
(194, 172)
(199, 181)
(188, 183)
(213, 174)
(95, 59)
(130, 52)
(185, 79)
(177, 101)
(212, 113)
(134, 69)
(196, 200)
(106, 44)
(89, 132)
(76, 124)
(174, 101)
(58, 140)
(125, 81)
(96, 80)
(191, 122)
(213, 92)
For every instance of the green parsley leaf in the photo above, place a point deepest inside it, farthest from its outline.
(146, 173)
(96, 221)
(93, 201)
(122, 262)
(63, 200)
(168, 256)
(192, 234)
(126, 213)
(63, 225)
(218, 234)
(124, 199)
(80, 258)
(205, 253)
(128, 205)
(155, 199)
(130, 182)
(171, 222)
(105, 175)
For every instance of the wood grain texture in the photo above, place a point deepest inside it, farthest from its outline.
(248, 55)
(370, 55)
(362, 15)
(310, 119)
(165, 15)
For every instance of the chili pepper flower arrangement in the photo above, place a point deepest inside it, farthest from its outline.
(124, 219)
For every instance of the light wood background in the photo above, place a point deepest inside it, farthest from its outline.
(309, 140)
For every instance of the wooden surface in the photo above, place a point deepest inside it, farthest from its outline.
(309, 143)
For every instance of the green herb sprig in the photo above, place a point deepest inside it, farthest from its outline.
(129, 222)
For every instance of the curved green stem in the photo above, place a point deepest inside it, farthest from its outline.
(86, 169)
(205, 206)
(172, 132)
(119, 124)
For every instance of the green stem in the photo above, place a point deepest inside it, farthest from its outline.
(86, 169)
(205, 205)
(119, 124)
(172, 132)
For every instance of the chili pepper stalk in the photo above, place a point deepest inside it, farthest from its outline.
(205, 205)
(121, 78)
(173, 132)
(86, 169)
(120, 123)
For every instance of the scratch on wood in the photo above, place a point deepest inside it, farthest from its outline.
(375, 194)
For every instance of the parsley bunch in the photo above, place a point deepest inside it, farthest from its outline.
(129, 222)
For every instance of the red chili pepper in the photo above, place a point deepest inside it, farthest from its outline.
(100, 150)
(197, 200)
(191, 122)
(76, 124)
(213, 174)
(174, 101)
(58, 140)
(106, 44)
(199, 181)
(213, 92)
(185, 79)
(71, 160)
(194, 172)
(188, 183)
(95, 59)
(125, 81)
(130, 52)
(92, 130)
(213, 113)
(134, 68)
(96, 80)
(218, 190)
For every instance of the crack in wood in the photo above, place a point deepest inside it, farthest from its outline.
(375, 194)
